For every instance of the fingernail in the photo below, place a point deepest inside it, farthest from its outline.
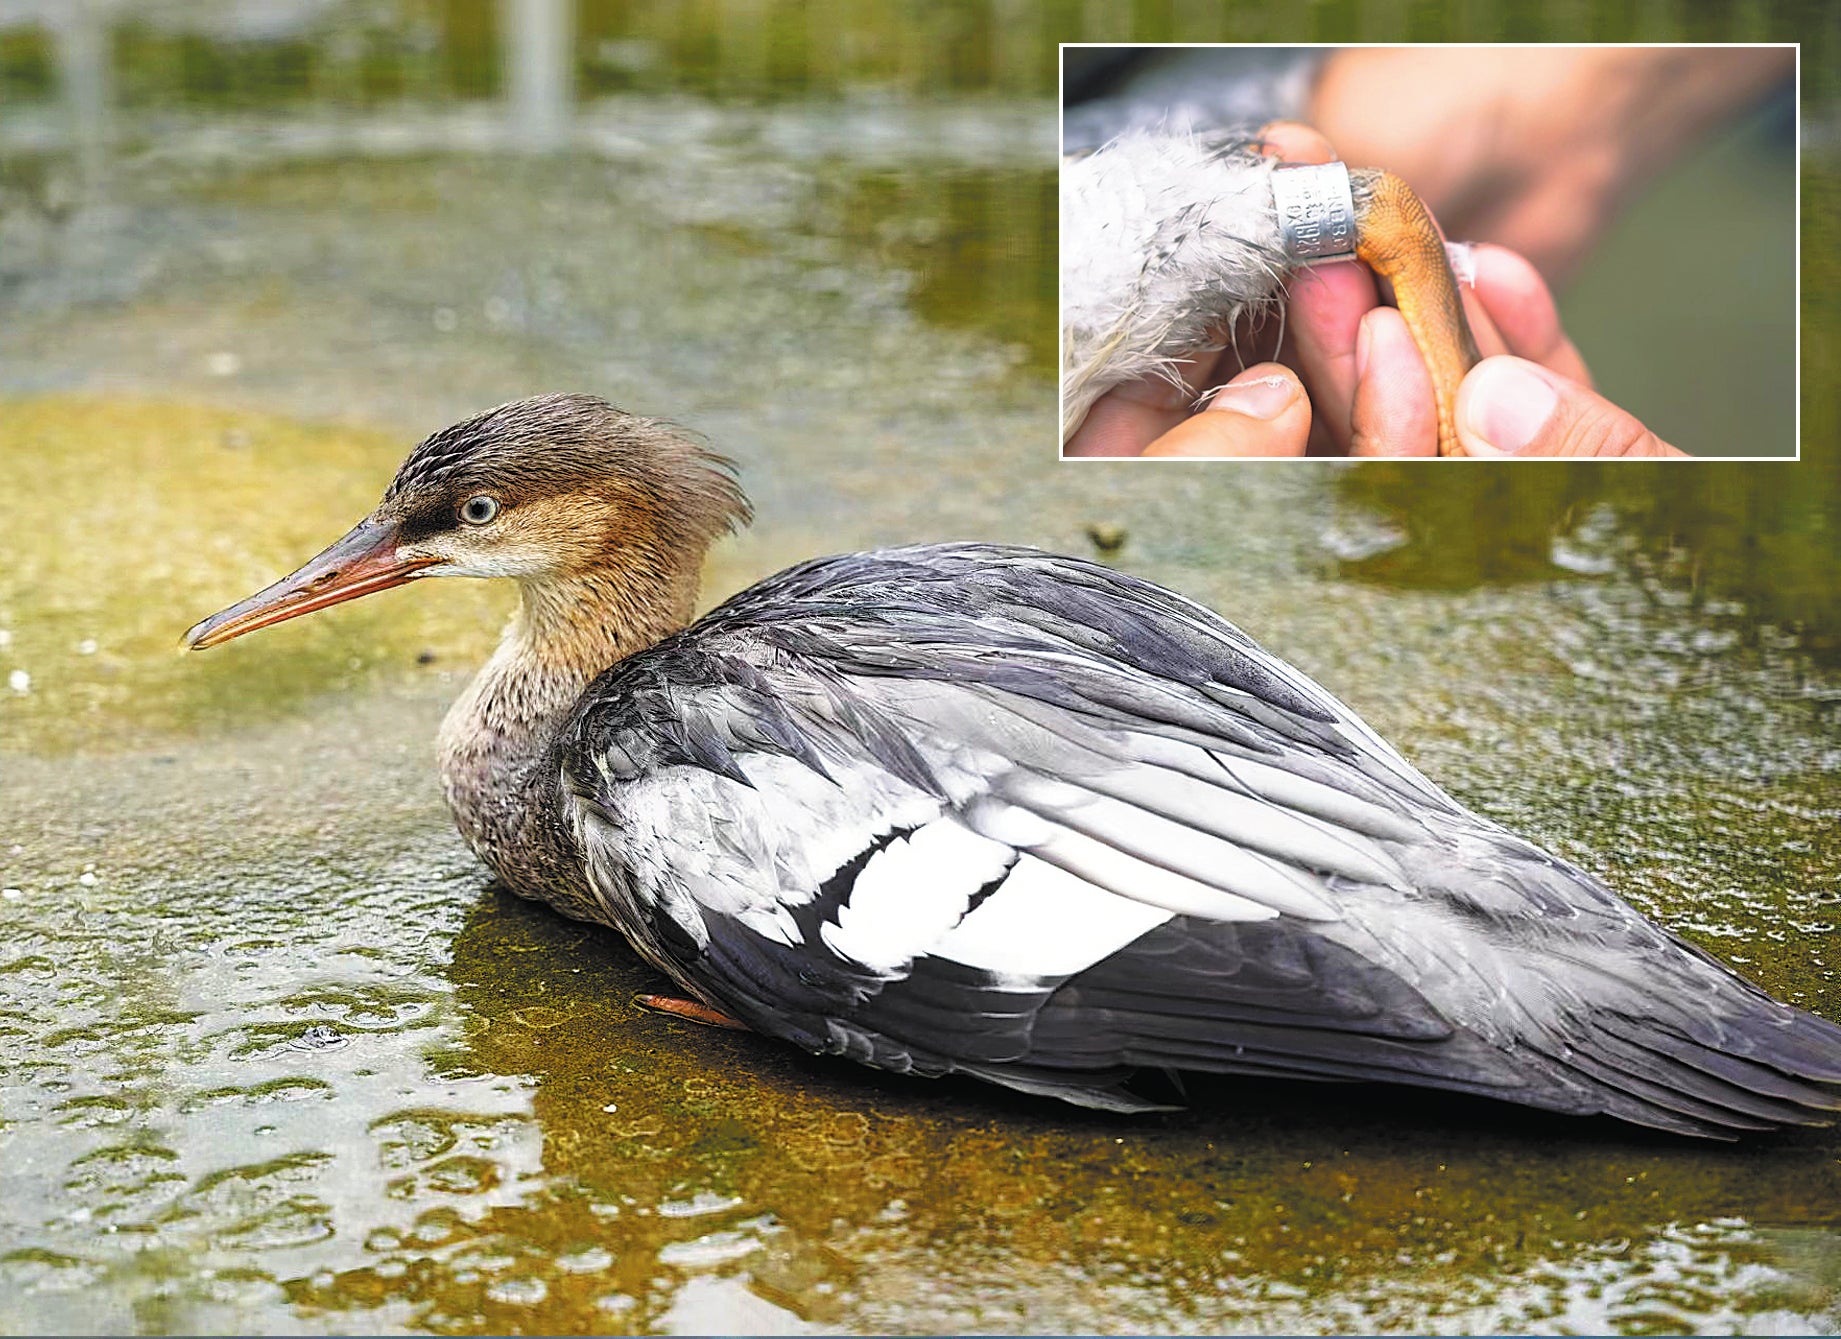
(1361, 351)
(1463, 259)
(1265, 398)
(1508, 404)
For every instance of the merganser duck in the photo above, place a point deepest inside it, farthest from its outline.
(1168, 240)
(975, 809)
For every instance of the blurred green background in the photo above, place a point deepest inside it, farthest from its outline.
(1682, 312)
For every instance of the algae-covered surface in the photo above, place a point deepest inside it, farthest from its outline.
(276, 1057)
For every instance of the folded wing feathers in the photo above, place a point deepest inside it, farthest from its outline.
(1352, 802)
(1242, 821)
(1141, 846)
(1106, 866)
(1092, 761)
(1146, 674)
(1650, 1045)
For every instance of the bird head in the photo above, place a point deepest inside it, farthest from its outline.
(544, 490)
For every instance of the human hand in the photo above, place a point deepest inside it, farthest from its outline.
(1259, 411)
(1369, 393)
(1509, 407)
(1262, 412)
(1533, 398)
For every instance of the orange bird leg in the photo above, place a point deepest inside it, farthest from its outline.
(689, 1009)
(1395, 235)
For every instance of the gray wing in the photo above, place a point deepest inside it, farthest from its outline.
(962, 808)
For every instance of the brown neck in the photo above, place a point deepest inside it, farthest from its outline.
(495, 744)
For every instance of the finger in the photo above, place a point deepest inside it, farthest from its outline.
(1482, 328)
(1521, 306)
(1511, 407)
(1321, 442)
(1129, 417)
(1394, 413)
(1327, 303)
(1261, 412)
(1294, 142)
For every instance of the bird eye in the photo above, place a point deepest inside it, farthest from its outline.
(479, 510)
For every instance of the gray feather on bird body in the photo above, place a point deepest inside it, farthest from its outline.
(939, 680)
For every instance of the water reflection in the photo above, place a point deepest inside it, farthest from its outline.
(539, 81)
(676, 1157)
(1734, 540)
(105, 99)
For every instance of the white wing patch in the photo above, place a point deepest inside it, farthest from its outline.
(913, 891)
(689, 841)
(804, 827)
(1044, 921)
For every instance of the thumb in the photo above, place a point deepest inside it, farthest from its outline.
(1261, 412)
(1511, 407)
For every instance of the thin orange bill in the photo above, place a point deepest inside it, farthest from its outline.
(362, 562)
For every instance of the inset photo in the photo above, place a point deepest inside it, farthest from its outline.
(1492, 252)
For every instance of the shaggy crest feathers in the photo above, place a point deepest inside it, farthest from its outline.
(549, 445)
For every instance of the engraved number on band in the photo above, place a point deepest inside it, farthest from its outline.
(1316, 213)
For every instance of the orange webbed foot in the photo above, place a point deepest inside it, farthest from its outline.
(692, 1010)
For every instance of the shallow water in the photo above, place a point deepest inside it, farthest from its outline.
(278, 1059)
